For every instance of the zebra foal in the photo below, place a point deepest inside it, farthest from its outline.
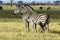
(29, 15)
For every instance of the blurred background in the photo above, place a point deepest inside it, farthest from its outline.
(36, 2)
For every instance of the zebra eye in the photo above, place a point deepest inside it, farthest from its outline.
(21, 14)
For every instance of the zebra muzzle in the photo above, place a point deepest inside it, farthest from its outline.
(14, 14)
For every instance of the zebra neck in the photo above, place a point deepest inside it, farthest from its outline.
(30, 10)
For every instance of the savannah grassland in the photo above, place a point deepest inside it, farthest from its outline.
(12, 26)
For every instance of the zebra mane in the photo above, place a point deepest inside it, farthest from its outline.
(29, 7)
(25, 6)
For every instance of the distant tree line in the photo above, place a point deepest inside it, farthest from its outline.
(57, 2)
(1, 2)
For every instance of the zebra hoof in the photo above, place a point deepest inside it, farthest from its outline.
(28, 30)
(58, 24)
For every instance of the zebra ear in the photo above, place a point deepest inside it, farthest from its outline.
(30, 7)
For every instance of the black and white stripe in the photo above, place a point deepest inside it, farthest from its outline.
(29, 15)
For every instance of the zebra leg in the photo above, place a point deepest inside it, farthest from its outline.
(46, 27)
(47, 24)
(34, 27)
(42, 27)
(27, 26)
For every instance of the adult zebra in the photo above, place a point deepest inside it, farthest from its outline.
(29, 15)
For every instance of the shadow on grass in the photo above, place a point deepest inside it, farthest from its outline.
(57, 32)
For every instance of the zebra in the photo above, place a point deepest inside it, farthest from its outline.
(48, 8)
(29, 15)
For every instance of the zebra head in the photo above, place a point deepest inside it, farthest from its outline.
(20, 9)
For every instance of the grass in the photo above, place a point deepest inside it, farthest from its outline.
(17, 31)
(13, 28)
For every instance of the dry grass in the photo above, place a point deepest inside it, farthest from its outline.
(8, 7)
(17, 31)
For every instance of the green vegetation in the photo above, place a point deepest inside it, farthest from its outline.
(12, 26)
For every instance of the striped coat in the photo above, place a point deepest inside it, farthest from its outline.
(29, 15)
